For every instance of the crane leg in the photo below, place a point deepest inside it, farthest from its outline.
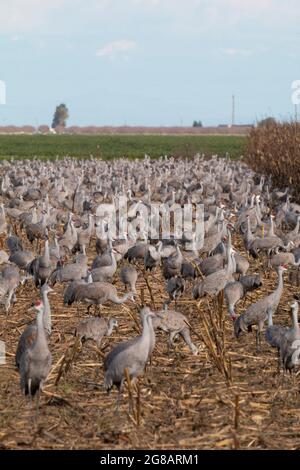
(258, 340)
(119, 397)
(37, 408)
(29, 388)
(280, 361)
(170, 341)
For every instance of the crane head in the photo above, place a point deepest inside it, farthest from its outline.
(283, 267)
(37, 306)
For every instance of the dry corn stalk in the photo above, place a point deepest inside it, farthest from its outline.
(214, 339)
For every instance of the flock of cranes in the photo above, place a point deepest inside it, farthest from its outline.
(50, 222)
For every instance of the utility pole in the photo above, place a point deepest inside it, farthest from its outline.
(296, 113)
(233, 111)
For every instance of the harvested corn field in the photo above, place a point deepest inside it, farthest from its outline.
(230, 395)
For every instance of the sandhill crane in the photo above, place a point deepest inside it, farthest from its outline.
(283, 258)
(215, 282)
(104, 273)
(13, 242)
(84, 235)
(172, 265)
(72, 288)
(152, 256)
(289, 350)
(275, 336)
(35, 362)
(69, 238)
(268, 244)
(103, 259)
(174, 323)
(129, 276)
(95, 328)
(188, 270)
(70, 272)
(175, 288)
(236, 290)
(97, 293)
(257, 313)
(37, 231)
(242, 264)
(41, 267)
(102, 238)
(54, 251)
(211, 264)
(28, 336)
(22, 258)
(131, 355)
(3, 224)
(137, 251)
(9, 281)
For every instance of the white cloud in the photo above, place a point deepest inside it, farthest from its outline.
(116, 47)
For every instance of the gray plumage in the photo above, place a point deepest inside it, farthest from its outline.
(152, 256)
(188, 271)
(95, 328)
(36, 231)
(21, 258)
(105, 272)
(35, 362)
(70, 290)
(132, 355)
(283, 258)
(275, 334)
(211, 264)
(174, 323)
(129, 276)
(136, 252)
(289, 346)
(242, 264)
(41, 267)
(28, 336)
(236, 290)
(13, 243)
(97, 293)
(257, 313)
(172, 265)
(175, 288)
(69, 272)
(216, 282)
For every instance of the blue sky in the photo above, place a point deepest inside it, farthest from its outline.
(148, 62)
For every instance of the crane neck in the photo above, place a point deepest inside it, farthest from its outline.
(47, 313)
(271, 231)
(280, 282)
(121, 300)
(46, 251)
(270, 318)
(295, 317)
(41, 341)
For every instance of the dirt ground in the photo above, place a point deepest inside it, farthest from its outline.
(185, 400)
